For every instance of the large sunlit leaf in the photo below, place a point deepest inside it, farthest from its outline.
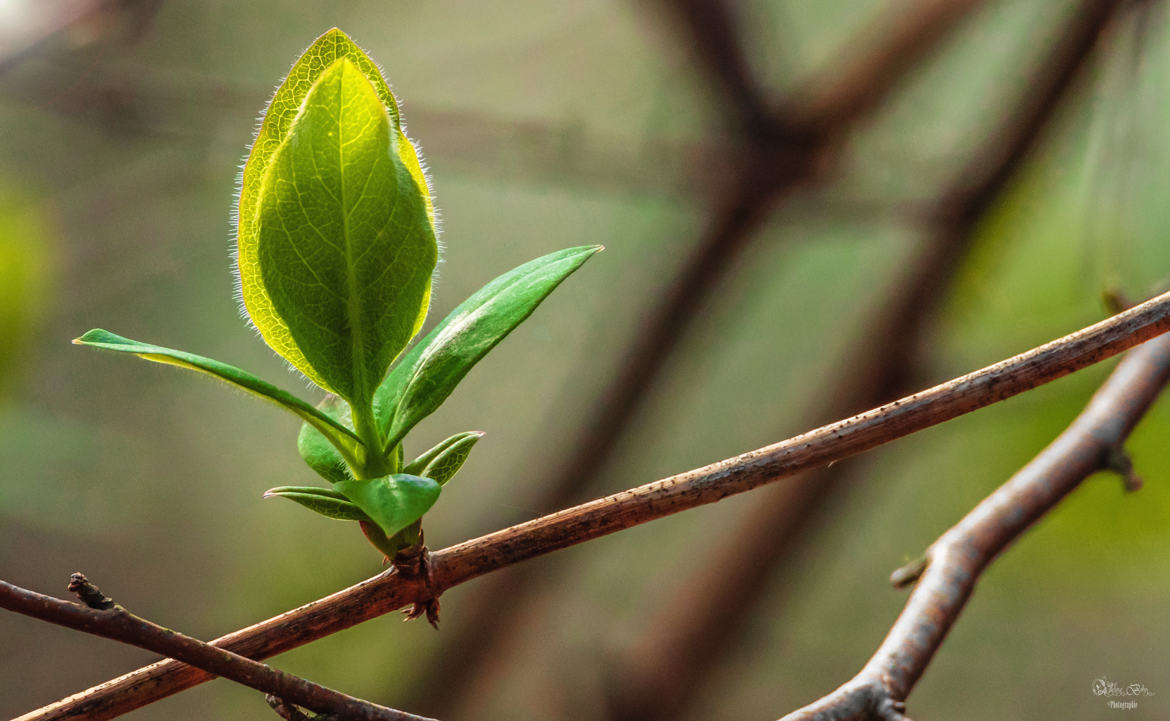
(346, 250)
(283, 113)
(328, 503)
(337, 434)
(426, 375)
(393, 502)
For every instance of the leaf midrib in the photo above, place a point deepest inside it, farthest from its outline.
(353, 312)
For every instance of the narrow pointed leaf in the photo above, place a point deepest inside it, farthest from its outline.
(345, 248)
(337, 434)
(278, 120)
(315, 448)
(444, 460)
(393, 502)
(416, 466)
(424, 377)
(317, 490)
(320, 500)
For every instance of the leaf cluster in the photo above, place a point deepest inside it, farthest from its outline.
(335, 253)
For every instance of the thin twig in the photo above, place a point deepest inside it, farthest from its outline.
(471, 559)
(958, 558)
(102, 617)
(702, 615)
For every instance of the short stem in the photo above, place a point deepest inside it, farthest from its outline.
(374, 464)
(378, 538)
(412, 535)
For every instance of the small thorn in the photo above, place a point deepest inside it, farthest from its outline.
(1118, 461)
(890, 710)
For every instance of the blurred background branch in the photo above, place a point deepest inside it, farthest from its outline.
(776, 156)
(706, 612)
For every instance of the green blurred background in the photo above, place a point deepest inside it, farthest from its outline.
(546, 125)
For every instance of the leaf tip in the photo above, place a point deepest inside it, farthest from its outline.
(331, 34)
(91, 336)
(270, 493)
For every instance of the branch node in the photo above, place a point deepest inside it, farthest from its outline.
(414, 564)
(909, 573)
(289, 712)
(1118, 461)
(89, 594)
(888, 709)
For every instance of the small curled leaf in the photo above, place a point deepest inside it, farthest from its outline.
(317, 451)
(443, 461)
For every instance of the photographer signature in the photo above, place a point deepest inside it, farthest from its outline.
(1105, 687)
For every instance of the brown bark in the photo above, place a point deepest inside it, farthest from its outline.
(471, 559)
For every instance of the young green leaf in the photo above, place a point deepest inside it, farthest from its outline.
(320, 500)
(279, 118)
(445, 459)
(393, 502)
(424, 377)
(317, 451)
(416, 466)
(346, 250)
(340, 436)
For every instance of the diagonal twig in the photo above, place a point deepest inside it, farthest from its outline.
(958, 558)
(100, 616)
(471, 559)
(700, 620)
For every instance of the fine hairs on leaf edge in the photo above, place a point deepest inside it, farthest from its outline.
(311, 280)
(399, 122)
